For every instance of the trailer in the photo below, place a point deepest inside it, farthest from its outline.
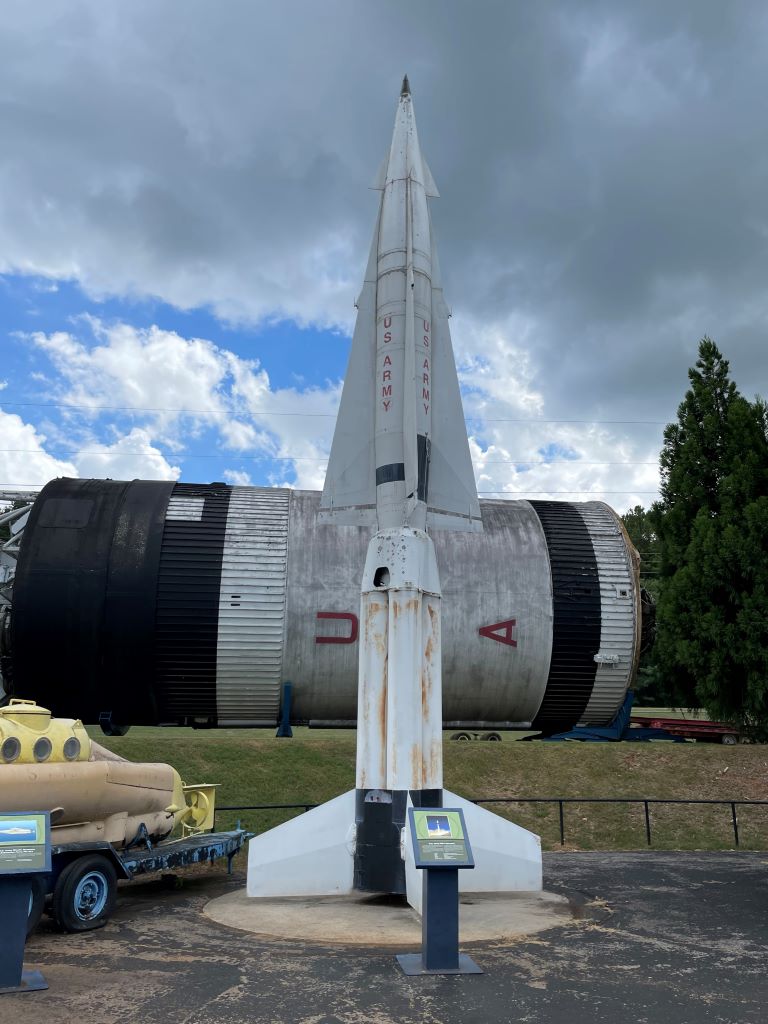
(81, 890)
(694, 729)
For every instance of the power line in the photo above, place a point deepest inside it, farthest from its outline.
(324, 415)
(299, 458)
(503, 493)
(144, 408)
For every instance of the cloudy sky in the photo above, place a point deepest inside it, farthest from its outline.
(185, 218)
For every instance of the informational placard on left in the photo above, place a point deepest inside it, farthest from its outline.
(25, 842)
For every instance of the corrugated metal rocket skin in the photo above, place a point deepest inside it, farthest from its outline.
(400, 448)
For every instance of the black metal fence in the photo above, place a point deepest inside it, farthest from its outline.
(560, 802)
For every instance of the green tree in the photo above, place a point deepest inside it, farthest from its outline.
(649, 686)
(712, 525)
(639, 524)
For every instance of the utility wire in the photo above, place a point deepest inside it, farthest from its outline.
(325, 415)
(297, 458)
(498, 493)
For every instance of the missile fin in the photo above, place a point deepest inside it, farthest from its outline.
(429, 182)
(349, 492)
(380, 181)
(452, 502)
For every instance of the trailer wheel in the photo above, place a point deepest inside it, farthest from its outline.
(36, 903)
(85, 894)
(461, 736)
(492, 736)
(729, 739)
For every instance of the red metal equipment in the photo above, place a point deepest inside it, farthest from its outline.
(694, 729)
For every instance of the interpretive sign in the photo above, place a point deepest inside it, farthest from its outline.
(440, 838)
(25, 843)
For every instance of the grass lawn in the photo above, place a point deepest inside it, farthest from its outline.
(253, 767)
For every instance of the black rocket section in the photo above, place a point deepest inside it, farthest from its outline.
(576, 616)
(86, 581)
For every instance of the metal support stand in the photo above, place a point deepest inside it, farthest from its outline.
(15, 894)
(439, 929)
(284, 729)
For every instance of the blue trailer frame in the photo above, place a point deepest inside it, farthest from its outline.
(72, 895)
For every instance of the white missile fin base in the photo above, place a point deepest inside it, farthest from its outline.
(311, 855)
(507, 857)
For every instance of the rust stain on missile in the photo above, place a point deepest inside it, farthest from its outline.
(416, 767)
(383, 709)
(372, 632)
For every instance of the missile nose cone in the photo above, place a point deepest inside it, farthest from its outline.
(406, 89)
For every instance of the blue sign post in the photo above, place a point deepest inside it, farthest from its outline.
(25, 850)
(440, 848)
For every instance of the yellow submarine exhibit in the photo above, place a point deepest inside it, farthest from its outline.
(110, 818)
(51, 764)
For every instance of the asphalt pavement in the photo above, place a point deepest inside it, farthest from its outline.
(653, 937)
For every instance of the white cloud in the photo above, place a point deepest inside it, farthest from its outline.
(132, 456)
(128, 368)
(183, 388)
(24, 462)
(518, 452)
(237, 478)
(177, 389)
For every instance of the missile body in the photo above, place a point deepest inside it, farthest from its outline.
(400, 460)
(400, 464)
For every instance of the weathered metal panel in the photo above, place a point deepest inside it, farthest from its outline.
(618, 627)
(209, 657)
(252, 606)
(498, 578)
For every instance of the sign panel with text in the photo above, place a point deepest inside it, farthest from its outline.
(25, 842)
(440, 838)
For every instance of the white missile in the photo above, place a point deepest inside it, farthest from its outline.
(400, 454)
(399, 463)
(400, 460)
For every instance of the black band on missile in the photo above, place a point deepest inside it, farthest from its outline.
(576, 616)
(422, 460)
(379, 817)
(389, 474)
(426, 797)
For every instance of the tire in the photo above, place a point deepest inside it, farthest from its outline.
(461, 736)
(492, 736)
(85, 894)
(729, 739)
(110, 729)
(36, 903)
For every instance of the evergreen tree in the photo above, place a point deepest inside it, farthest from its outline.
(695, 456)
(712, 524)
(649, 687)
(640, 525)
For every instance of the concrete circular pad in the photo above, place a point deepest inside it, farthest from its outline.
(360, 920)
